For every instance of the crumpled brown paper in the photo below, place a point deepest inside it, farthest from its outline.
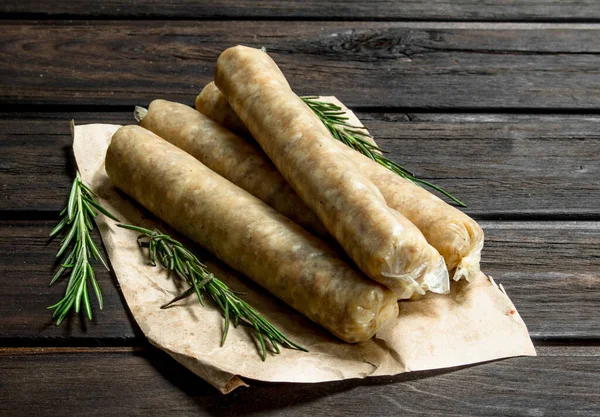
(475, 322)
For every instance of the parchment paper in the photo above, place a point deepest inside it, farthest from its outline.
(475, 322)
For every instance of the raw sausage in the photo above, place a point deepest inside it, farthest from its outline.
(230, 156)
(248, 235)
(384, 244)
(456, 236)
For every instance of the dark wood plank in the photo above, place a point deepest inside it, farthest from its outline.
(147, 382)
(36, 158)
(27, 266)
(556, 10)
(547, 268)
(366, 64)
(502, 165)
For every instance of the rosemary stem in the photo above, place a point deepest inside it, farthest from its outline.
(355, 137)
(177, 258)
(79, 218)
(84, 252)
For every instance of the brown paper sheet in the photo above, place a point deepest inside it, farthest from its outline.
(476, 322)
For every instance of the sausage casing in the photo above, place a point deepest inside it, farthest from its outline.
(383, 243)
(212, 103)
(248, 235)
(230, 156)
(456, 236)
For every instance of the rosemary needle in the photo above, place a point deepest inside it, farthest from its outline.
(357, 138)
(79, 217)
(173, 256)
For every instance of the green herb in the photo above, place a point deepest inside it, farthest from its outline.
(173, 256)
(357, 138)
(79, 218)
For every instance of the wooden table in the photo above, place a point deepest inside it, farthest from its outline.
(496, 101)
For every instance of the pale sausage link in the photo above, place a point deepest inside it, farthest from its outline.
(230, 156)
(383, 243)
(248, 235)
(457, 237)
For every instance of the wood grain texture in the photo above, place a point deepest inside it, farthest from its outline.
(485, 148)
(28, 264)
(37, 164)
(147, 382)
(524, 10)
(547, 268)
(502, 165)
(366, 64)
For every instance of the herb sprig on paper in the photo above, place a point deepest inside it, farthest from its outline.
(173, 256)
(78, 218)
(357, 138)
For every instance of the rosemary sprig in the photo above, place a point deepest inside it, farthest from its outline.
(173, 256)
(79, 217)
(356, 137)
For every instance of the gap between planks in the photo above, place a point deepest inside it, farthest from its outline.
(352, 10)
(583, 350)
(416, 23)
